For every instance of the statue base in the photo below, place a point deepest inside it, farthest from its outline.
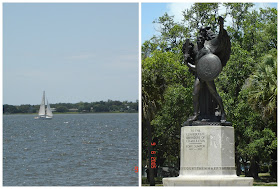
(208, 181)
(209, 120)
(207, 158)
(208, 123)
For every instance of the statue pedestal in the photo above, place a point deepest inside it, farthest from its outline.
(207, 158)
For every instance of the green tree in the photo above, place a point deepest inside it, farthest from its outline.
(167, 124)
(202, 14)
(159, 71)
(262, 87)
(248, 49)
(61, 109)
(9, 109)
(172, 34)
(25, 108)
(238, 12)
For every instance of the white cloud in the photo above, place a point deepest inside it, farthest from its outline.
(176, 10)
(261, 5)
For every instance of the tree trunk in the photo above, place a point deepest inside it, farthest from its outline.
(151, 171)
(238, 166)
(254, 169)
(273, 171)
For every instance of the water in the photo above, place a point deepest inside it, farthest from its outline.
(70, 150)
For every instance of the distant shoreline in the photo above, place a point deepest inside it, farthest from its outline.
(81, 107)
(56, 113)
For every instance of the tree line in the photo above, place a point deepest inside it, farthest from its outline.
(83, 107)
(247, 85)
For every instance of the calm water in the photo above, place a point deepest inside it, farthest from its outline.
(70, 150)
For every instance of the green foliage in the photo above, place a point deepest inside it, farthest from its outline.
(172, 34)
(148, 47)
(255, 138)
(159, 71)
(262, 87)
(175, 110)
(8, 109)
(199, 14)
(61, 109)
(236, 71)
(238, 12)
(102, 106)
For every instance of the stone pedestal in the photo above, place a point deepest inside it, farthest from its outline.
(207, 158)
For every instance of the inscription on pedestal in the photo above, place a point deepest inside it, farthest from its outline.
(207, 150)
(208, 168)
(195, 139)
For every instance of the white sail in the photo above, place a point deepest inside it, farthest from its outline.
(49, 111)
(44, 113)
(42, 106)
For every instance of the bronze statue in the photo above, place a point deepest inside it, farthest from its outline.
(205, 61)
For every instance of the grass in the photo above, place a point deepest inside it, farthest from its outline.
(158, 181)
(264, 180)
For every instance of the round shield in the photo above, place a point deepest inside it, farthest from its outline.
(208, 67)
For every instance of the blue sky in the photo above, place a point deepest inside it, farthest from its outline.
(74, 51)
(152, 11)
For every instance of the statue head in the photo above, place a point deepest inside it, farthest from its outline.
(203, 31)
(202, 34)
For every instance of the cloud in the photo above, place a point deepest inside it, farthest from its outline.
(176, 9)
(264, 5)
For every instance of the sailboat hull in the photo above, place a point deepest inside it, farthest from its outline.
(43, 118)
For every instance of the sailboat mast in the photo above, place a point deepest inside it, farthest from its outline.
(44, 97)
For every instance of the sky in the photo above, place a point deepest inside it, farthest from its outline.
(77, 51)
(152, 11)
(74, 51)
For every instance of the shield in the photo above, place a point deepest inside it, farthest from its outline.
(208, 67)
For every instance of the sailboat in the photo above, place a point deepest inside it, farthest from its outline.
(44, 113)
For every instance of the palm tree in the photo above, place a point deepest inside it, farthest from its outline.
(262, 87)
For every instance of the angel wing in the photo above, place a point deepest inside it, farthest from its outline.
(220, 45)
